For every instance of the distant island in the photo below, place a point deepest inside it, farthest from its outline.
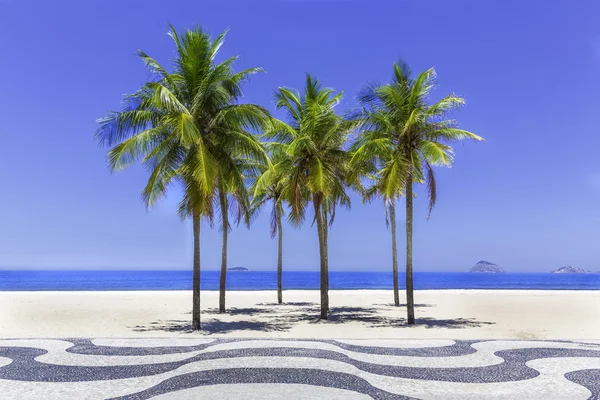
(487, 267)
(238, 269)
(571, 270)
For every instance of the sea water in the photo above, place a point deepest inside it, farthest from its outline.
(267, 280)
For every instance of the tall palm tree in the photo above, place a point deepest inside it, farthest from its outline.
(317, 162)
(233, 197)
(382, 169)
(404, 137)
(272, 186)
(182, 125)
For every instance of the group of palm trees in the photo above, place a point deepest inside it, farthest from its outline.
(188, 126)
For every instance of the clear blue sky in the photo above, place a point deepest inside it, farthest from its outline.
(527, 199)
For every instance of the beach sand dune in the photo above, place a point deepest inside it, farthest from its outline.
(441, 314)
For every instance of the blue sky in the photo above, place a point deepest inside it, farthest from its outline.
(527, 199)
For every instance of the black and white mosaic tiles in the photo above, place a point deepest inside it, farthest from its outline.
(297, 369)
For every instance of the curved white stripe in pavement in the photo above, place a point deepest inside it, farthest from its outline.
(588, 341)
(36, 343)
(85, 360)
(267, 391)
(483, 357)
(57, 354)
(164, 342)
(398, 343)
(550, 384)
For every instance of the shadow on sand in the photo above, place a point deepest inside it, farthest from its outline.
(272, 317)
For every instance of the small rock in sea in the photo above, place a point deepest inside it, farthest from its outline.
(238, 269)
(487, 267)
(571, 270)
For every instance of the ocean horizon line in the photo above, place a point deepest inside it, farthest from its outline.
(262, 270)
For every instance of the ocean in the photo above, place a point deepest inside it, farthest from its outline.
(267, 280)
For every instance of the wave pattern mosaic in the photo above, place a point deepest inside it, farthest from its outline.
(298, 369)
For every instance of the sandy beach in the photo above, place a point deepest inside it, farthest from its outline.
(456, 314)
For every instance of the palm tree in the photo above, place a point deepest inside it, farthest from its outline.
(316, 162)
(181, 125)
(272, 185)
(382, 168)
(233, 195)
(404, 137)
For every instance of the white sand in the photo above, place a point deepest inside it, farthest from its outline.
(441, 314)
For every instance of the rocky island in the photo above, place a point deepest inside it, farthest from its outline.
(487, 267)
(571, 270)
(238, 269)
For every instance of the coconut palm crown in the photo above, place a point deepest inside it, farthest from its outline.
(316, 163)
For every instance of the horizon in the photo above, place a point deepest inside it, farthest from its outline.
(383, 271)
(508, 199)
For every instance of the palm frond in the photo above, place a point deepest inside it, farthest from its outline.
(436, 153)
(431, 188)
(401, 134)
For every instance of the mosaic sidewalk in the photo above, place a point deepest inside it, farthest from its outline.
(297, 369)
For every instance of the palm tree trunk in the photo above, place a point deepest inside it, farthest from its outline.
(225, 227)
(326, 247)
(196, 278)
(324, 272)
(279, 259)
(410, 303)
(394, 253)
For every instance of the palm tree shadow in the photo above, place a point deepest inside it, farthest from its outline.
(210, 327)
(456, 323)
(427, 322)
(290, 303)
(271, 318)
(216, 326)
(165, 326)
(250, 311)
